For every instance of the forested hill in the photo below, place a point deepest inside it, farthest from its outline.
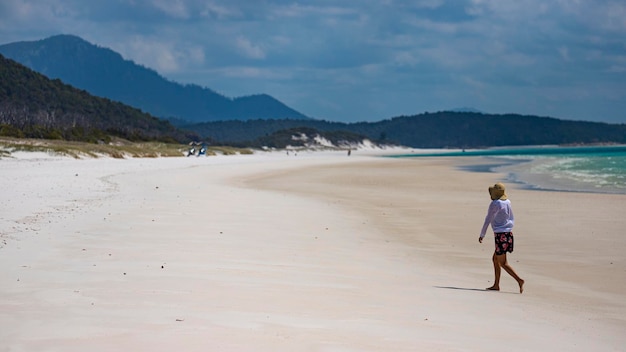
(104, 73)
(434, 130)
(32, 105)
(470, 130)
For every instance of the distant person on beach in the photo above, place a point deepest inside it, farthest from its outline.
(500, 217)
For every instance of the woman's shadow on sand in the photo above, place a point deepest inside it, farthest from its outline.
(461, 288)
(468, 289)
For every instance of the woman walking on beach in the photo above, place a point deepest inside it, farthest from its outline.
(500, 217)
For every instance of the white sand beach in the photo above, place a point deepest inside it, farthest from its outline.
(315, 252)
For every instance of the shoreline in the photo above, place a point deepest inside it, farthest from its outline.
(551, 167)
(517, 171)
(279, 253)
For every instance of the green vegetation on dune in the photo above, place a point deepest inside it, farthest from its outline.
(116, 149)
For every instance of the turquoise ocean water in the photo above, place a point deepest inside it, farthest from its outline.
(579, 169)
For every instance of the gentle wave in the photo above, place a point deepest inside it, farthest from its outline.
(579, 169)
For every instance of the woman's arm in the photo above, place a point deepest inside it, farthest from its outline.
(491, 213)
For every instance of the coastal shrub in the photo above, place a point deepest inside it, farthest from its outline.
(10, 131)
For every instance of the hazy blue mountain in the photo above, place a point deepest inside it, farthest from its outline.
(105, 73)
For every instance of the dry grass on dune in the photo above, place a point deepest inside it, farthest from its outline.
(117, 149)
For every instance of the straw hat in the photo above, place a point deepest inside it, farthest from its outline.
(497, 192)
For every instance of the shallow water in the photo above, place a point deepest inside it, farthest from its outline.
(599, 169)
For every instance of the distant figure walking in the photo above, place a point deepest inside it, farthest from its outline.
(500, 217)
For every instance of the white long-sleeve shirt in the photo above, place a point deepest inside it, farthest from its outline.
(499, 216)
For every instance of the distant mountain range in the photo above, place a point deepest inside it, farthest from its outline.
(33, 105)
(104, 73)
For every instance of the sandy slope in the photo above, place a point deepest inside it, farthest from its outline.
(318, 252)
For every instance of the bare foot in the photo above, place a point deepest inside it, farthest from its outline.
(493, 288)
(521, 286)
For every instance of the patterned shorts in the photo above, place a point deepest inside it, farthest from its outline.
(504, 242)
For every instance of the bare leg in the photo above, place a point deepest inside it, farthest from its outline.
(502, 261)
(496, 270)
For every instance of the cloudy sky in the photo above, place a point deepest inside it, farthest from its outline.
(364, 60)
